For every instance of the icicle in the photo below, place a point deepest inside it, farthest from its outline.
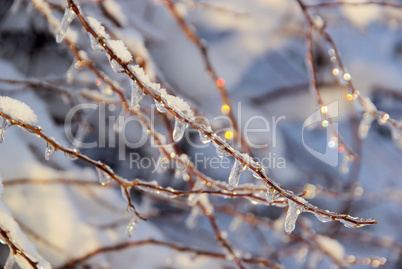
(181, 165)
(179, 128)
(129, 212)
(191, 221)
(65, 22)
(294, 210)
(272, 195)
(204, 138)
(95, 44)
(322, 217)
(49, 152)
(160, 107)
(136, 94)
(103, 177)
(126, 195)
(348, 224)
(131, 225)
(346, 162)
(236, 223)
(234, 176)
(10, 260)
(4, 124)
(71, 157)
(168, 194)
(71, 73)
(365, 125)
(221, 152)
(256, 175)
(163, 163)
(395, 133)
(116, 66)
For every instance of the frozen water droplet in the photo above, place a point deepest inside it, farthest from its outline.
(365, 125)
(130, 212)
(395, 133)
(103, 177)
(136, 94)
(234, 176)
(71, 73)
(179, 128)
(204, 138)
(318, 21)
(168, 195)
(116, 66)
(95, 44)
(191, 221)
(181, 164)
(221, 152)
(49, 152)
(236, 223)
(272, 195)
(348, 223)
(126, 195)
(10, 260)
(160, 107)
(256, 175)
(71, 157)
(346, 163)
(65, 22)
(4, 124)
(131, 225)
(322, 217)
(163, 163)
(294, 210)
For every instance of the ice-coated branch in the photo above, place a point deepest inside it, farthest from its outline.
(370, 111)
(73, 154)
(16, 251)
(160, 96)
(74, 262)
(219, 82)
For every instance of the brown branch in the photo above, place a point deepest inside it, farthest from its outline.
(77, 261)
(16, 250)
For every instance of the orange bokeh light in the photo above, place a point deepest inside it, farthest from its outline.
(220, 82)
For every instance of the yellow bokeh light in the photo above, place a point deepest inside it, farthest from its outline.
(225, 109)
(349, 97)
(324, 109)
(228, 135)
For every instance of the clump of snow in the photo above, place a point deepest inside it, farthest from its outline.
(120, 50)
(331, 246)
(17, 109)
(97, 26)
(114, 9)
(178, 103)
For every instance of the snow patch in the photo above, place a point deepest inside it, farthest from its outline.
(17, 109)
(120, 50)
